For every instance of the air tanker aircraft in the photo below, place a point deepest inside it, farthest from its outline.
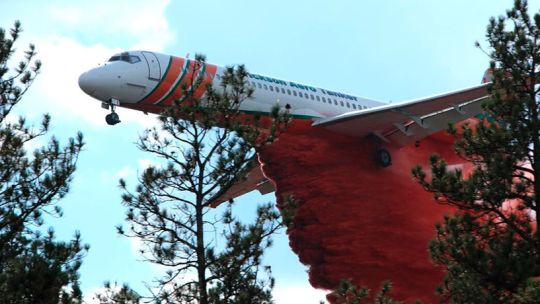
(149, 81)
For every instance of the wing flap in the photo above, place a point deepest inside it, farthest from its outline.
(434, 123)
(406, 122)
(255, 180)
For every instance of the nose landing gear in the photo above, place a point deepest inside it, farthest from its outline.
(111, 118)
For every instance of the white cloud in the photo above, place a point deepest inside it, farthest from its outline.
(140, 252)
(90, 295)
(293, 294)
(111, 175)
(145, 163)
(66, 53)
(125, 172)
(143, 20)
(64, 60)
(139, 249)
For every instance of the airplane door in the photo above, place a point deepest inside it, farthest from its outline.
(154, 70)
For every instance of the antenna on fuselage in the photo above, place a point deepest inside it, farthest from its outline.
(187, 55)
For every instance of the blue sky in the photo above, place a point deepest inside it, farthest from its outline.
(386, 50)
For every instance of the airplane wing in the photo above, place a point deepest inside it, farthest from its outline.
(404, 123)
(399, 124)
(255, 180)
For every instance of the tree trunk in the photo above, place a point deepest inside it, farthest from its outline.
(201, 258)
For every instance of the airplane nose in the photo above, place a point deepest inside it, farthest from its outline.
(102, 83)
(87, 83)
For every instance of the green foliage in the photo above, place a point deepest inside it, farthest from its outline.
(236, 268)
(348, 293)
(530, 293)
(113, 294)
(491, 249)
(477, 253)
(207, 145)
(41, 270)
(33, 268)
(288, 209)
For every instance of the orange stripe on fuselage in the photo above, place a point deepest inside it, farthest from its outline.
(208, 77)
(168, 81)
(194, 69)
(186, 82)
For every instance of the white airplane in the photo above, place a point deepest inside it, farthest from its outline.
(148, 81)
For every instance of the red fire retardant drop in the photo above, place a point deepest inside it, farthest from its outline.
(356, 220)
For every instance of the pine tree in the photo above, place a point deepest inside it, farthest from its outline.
(207, 146)
(33, 267)
(491, 248)
(113, 294)
(348, 293)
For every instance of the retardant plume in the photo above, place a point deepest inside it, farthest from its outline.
(356, 220)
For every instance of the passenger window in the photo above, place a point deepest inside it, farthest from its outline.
(288, 91)
(294, 93)
(283, 90)
(324, 99)
(312, 97)
(348, 105)
(341, 102)
(318, 99)
(300, 94)
(259, 85)
(335, 102)
(265, 87)
(354, 106)
(271, 88)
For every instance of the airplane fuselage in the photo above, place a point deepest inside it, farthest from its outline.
(149, 81)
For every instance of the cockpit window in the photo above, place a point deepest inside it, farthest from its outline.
(125, 57)
(131, 58)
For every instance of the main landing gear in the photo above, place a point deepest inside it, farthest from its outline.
(111, 118)
(383, 158)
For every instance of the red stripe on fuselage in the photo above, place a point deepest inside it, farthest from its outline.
(168, 81)
(264, 123)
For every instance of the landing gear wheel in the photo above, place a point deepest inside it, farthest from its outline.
(112, 119)
(383, 158)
